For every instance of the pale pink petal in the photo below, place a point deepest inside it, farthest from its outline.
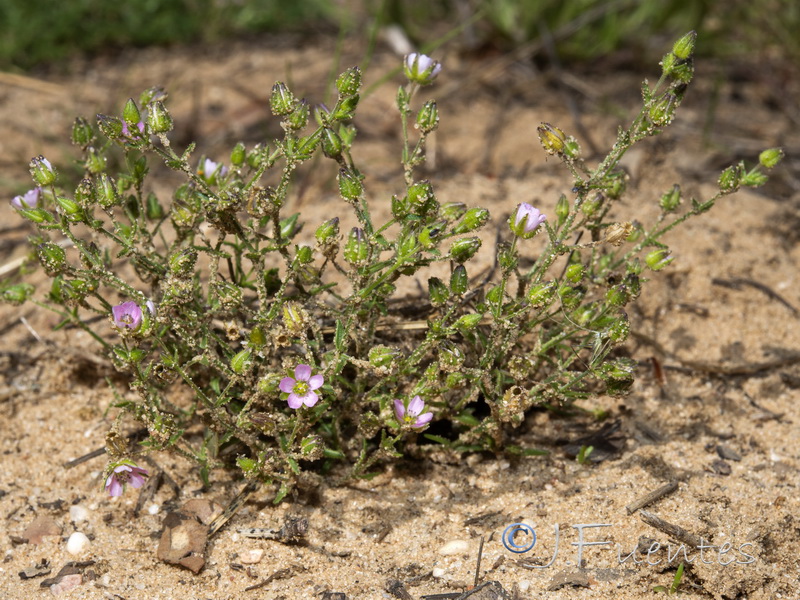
(415, 406)
(113, 486)
(423, 420)
(294, 400)
(286, 385)
(310, 399)
(316, 382)
(399, 409)
(302, 372)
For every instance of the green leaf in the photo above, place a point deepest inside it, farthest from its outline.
(339, 337)
(437, 439)
(281, 493)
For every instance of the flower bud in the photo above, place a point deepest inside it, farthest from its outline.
(153, 209)
(130, 113)
(288, 227)
(730, 179)
(451, 357)
(95, 161)
(331, 143)
(542, 294)
(228, 295)
(658, 259)
(770, 158)
(525, 220)
(238, 155)
(258, 338)
(562, 209)
(551, 138)
(82, 132)
(349, 82)
(158, 118)
(242, 362)
(111, 127)
(459, 282)
(382, 357)
(421, 69)
(495, 296)
(473, 219)
(356, 249)
(328, 231)
(418, 196)
(282, 100)
(620, 329)
(36, 215)
(69, 206)
(574, 273)
(684, 47)
(671, 200)
(346, 110)
(428, 117)
(452, 211)
(467, 323)
(42, 171)
(350, 186)
(399, 207)
(438, 291)
(305, 254)
(754, 179)
(464, 249)
(428, 237)
(407, 245)
(106, 189)
(17, 294)
(295, 319)
(153, 94)
(662, 112)
(298, 117)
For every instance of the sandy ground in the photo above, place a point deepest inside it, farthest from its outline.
(722, 425)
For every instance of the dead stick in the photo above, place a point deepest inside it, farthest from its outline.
(674, 531)
(664, 490)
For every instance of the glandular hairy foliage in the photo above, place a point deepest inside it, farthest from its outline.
(293, 356)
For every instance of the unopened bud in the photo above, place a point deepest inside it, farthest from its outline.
(452, 211)
(111, 127)
(464, 249)
(356, 249)
(349, 82)
(107, 194)
(350, 186)
(574, 273)
(131, 113)
(82, 132)
(298, 117)
(158, 118)
(329, 230)
(459, 282)
(658, 259)
(42, 171)
(258, 338)
(473, 219)
(383, 356)
(295, 319)
(52, 257)
(671, 200)
(238, 155)
(428, 117)
(662, 112)
(552, 138)
(684, 47)
(331, 143)
(562, 209)
(282, 100)
(467, 323)
(241, 362)
(542, 294)
(421, 69)
(770, 158)
(17, 294)
(730, 179)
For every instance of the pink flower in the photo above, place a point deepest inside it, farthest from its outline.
(127, 133)
(210, 170)
(411, 415)
(301, 388)
(421, 69)
(526, 220)
(122, 474)
(128, 314)
(29, 199)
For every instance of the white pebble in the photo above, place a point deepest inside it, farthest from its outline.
(454, 547)
(77, 543)
(524, 585)
(251, 557)
(78, 513)
(438, 573)
(153, 509)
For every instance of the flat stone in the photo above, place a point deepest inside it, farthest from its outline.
(183, 541)
(454, 547)
(40, 528)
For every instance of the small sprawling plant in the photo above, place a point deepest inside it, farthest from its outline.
(296, 357)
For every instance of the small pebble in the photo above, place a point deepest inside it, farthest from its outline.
(438, 572)
(153, 509)
(524, 585)
(251, 557)
(454, 547)
(78, 513)
(77, 543)
(67, 583)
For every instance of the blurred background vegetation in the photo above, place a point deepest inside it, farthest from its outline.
(43, 32)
